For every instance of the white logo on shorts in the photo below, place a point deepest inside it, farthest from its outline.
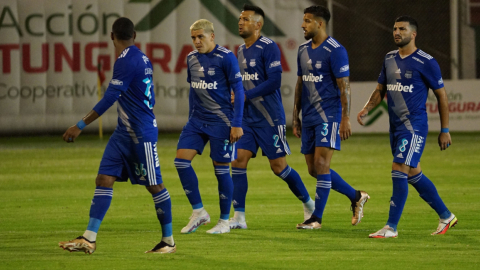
(324, 139)
(226, 155)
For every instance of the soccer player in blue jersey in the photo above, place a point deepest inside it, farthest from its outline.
(131, 151)
(406, 76)
(263, 117)
(322, 94)
(212, 73)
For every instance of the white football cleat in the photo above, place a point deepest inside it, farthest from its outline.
(196, 220)
(445, 224)
(385, 232)
(221, 227)
(234, 224)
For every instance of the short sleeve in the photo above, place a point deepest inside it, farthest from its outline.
(339, 63)
(382, 78)
(122, 74)
(272, 59)
(432, 75)
(232, 69)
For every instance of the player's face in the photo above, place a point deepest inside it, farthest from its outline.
(310, 26)
(203, 42)
(402, 33)
(246, 24)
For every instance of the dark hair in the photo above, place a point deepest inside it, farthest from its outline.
(318, 12)
(123, 28)
(255, 9)
(405, 18)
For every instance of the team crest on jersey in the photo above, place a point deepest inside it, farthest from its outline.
(145, 59)
(408, 74)
(252, 63)
(211, 71)
(318, 65)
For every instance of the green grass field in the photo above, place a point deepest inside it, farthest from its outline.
(46, 187)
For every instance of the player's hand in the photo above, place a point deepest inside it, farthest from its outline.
(71, 134)
(297, 128)
(362, 115)
(232, 97)
(444, 140)
(345, 128)
(235, 134)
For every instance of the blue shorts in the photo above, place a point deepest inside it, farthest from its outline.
(322, 135)
(407, 147)
(125, 159)
(272, 141)
(195, 136)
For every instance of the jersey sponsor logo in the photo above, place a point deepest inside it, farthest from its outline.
(250, 77)
(275, 64)
(418, 60)
(400, 88)
(204, 85)
(408, 74)
(440, 82)
(211, 71)
(116, 82)
(312, 78)
(252, 63)
(344, 68)
(148, 71)
(326, 48)
(145, 59)
(318, 65)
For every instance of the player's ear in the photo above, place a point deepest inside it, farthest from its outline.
(111, 35)
(134, 35)
(213, 36)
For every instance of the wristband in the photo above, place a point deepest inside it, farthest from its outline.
(81, 124)
(444, 130)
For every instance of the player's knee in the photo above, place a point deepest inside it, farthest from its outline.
(105, 181)
(277, 169)
(156, 188)
(312, 172)
(322, 166)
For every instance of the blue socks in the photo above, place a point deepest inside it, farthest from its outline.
(163, 207)
(324, 184)
(399, 197)
(189, 182)
(240, 184)
(100, 204)
(339, 185)
(225, 190)
(429, 194)
(292, 178)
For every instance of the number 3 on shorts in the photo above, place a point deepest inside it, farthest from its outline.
(325, 130)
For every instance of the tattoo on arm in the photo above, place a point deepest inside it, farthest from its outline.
(345, 95)
(376, 97)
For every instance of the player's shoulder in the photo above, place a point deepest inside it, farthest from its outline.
(304, 45)
(222, 50)
(422, 56)
(333, 44)
(391, 54)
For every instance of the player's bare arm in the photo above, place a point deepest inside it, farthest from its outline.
(297, 106)
(74, 131)
(375, 99)
(444, 138)
(345, 98)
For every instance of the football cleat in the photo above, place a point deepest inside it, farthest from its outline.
(196, 220)
(79, 244)
(163, 248)
(357, 207)
(234, 224)
(221, 227)
(312, 223)
(385, 232)
(445, 224)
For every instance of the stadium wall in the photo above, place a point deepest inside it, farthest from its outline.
(50, 50)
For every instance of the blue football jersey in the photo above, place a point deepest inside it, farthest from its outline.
(132, 75)
(257, 63)
(319, 69)
(210, 76)
(407, 81)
